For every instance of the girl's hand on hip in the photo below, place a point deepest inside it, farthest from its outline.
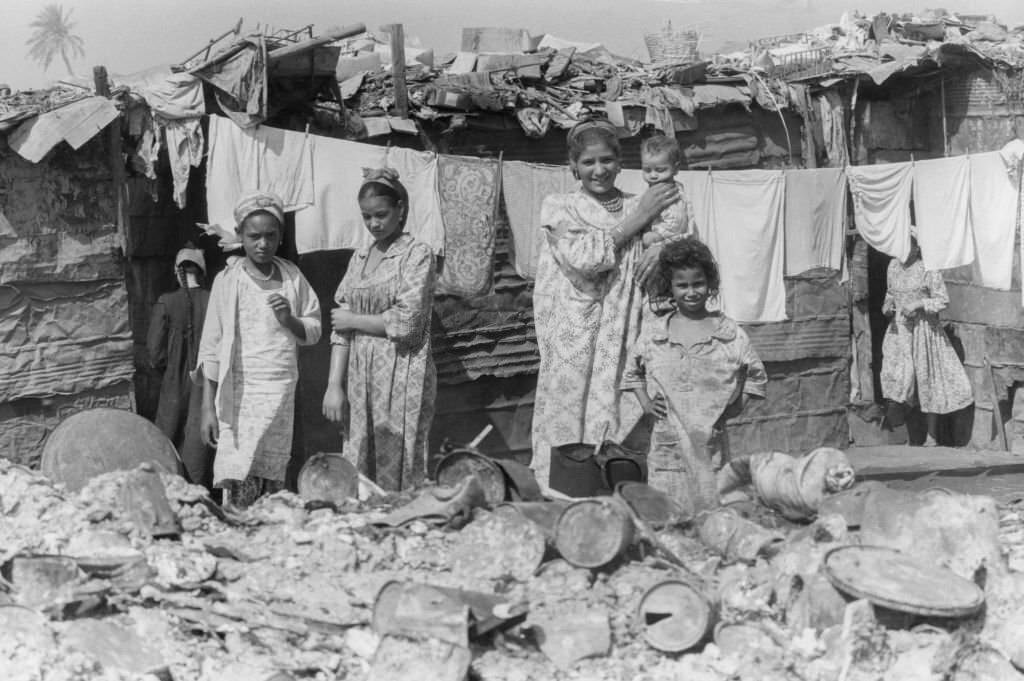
(281, 307)
(335, 404)
(656, 407)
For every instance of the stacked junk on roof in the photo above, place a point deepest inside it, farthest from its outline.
(807, 574)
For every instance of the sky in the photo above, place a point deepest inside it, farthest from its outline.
(131, 35)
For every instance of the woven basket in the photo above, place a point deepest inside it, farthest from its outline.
(670, 46)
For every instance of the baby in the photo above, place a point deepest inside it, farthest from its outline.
(659, 159)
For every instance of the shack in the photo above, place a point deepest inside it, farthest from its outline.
(109, 213)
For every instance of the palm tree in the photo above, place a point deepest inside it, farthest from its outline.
(52, 36)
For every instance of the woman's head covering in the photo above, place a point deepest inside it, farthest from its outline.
(592, 124)
(193, 255)
(256, 202)
(387, 177)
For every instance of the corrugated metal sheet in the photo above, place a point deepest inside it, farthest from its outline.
(727, 137)
(65, 338)
(983, 92)
(60, 339)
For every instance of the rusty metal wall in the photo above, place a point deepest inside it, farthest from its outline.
(65, 337)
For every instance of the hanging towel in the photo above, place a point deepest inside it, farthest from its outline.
(942, 200)
(468, 189)
(745, 215)
(525, 186)
(815, 219)
(335, 222)
(881, 205)
(260, 158)
(994, 217)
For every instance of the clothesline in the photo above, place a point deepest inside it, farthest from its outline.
(762, 225)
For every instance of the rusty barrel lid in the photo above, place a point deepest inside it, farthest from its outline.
(328, 477)
(591, 533)
(463, 462)
(674, 616)
(97, 441)
(894, 580)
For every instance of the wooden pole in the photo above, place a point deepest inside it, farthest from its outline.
(945, 130)
(398, 68)
(336, 33)
(996, 411)
(102, 84)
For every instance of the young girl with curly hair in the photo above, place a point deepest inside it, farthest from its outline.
(690, 370)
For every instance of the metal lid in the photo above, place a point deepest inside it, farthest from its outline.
(328, 477)
(97, 441)
(674, 616)
(591, 533)
(897, 581)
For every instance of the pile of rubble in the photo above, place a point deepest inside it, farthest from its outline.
(141, 576)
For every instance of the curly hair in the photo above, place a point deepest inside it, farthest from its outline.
(686, 253)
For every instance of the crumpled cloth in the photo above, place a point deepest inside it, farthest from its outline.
(451, 506)
(793, 486)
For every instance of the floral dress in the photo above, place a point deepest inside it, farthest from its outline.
(919, 365)
(698, 383)
(587, 312)
(391, 381)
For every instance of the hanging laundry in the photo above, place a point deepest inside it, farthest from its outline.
(240, 82)
(335, 222)
(815, 219)
(833, 125)
(524, 186)
(262, 158)
(881, 205)
(185, 150)
(994, 216)
(468, 189)
(745, 232)
(179, 95)
(942, 201)
(1012, 155)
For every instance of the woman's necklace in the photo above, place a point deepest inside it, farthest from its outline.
(255, 273)
(612, 205)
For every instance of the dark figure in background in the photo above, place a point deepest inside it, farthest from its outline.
(174, 332)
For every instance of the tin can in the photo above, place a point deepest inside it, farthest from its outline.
(674, 616)
(591, 533)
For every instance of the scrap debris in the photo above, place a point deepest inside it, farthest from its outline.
(291, 589)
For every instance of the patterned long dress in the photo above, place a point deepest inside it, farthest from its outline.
(919, 365)
(587, 312)
(391, 381)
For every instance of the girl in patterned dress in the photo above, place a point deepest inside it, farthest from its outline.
(382, 382)
(261, 309)
(919, 366)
